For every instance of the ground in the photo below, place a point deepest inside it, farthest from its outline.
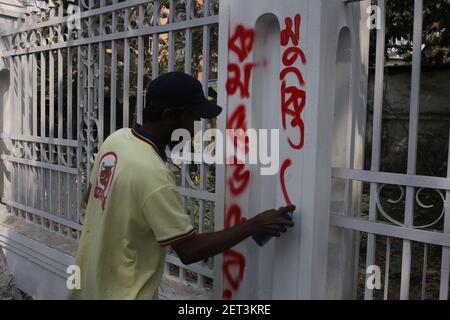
(8, 290)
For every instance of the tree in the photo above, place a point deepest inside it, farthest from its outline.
(436, 30)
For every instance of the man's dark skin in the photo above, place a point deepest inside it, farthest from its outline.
(201, 246)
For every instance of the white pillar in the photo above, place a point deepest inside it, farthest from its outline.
(294, 42)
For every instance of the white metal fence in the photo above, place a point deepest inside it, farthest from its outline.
(424, 224)
(78, 70)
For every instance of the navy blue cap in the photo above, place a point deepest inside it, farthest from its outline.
(178, 90)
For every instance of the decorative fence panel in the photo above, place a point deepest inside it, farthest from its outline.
(78, 71)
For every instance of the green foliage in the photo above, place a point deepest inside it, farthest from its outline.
(365, 201)
(436, 30)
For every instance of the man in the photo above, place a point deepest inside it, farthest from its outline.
(134, 209)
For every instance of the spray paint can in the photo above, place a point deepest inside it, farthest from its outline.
(262, 239)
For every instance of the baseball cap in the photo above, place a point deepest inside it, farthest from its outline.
(178, 90)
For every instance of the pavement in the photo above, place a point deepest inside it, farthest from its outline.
(8, 289)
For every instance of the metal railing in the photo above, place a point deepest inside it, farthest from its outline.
(380, 229)
(78, 70)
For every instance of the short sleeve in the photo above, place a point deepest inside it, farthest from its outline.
(165, 215)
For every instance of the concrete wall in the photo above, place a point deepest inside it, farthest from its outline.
(433, 122)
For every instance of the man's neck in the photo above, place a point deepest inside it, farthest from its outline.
(157, 132)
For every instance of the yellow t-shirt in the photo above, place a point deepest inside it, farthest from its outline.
(134, 211)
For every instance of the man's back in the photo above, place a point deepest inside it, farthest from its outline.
(133, 209)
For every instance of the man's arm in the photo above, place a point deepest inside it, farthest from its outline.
(202, 246)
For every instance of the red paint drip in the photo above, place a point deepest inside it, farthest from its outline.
(286, 164)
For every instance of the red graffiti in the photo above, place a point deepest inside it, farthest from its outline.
(234, 82)
(293, 96)
(289, 34)
(237, 121)
(233, 259)
(286, 164)
(240, 179)
(295, 71)
(241, 42)
(291, 55)
(234, 216)
(227, 294)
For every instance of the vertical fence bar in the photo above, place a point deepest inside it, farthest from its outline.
(376, 137)
(13, 93)
(69, 94)
(387, 266)
(424, 271)
(188, 41)
(113, 74)
(205, 83)
(22, 75)
(445, 261)
(140, 80)
(13, 118)
(60, 93)
(126, 73)
(27, 77)
(188, 70)
(19, 127)
(34, 68)
(412, 145)
(171, 42)
(101, 81)
(43, 112)
(60, 129)
(60, 191)
(51, 129)
(155, 42)
(69, 129)
(29, 96)
(17, 91)
(51, 98)
(21, 95)
(19, 181)
(79, 133)
(90, 103)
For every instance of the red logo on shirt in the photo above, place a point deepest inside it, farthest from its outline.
(105, 177)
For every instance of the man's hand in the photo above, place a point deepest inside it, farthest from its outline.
(201, 246)
(272, 222)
